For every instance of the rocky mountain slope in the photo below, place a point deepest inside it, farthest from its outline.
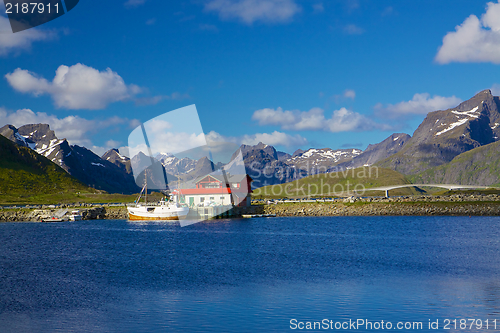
(443, 135)
(377, 152)
(479, 166)
(121, 161)
(78, 161)
(23, 172)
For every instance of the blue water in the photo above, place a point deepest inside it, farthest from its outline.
(250, 275)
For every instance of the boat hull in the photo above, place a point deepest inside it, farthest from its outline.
(133, 217)
(158, 214)
(53, 219)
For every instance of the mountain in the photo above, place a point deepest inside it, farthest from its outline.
(443, 135)
(78, 161)
(377, 152)
(282, 156)
(176, 166)
(11, 133)
(114, 156)
(324, 160)
(263, 165)
(23, 172)
(479, 166)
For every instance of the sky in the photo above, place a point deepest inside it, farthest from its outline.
(294, 74)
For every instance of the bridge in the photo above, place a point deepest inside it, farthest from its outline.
(446, 186)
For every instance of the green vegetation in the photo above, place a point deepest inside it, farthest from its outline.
(29, 178)
(341, 183)
(479, 166)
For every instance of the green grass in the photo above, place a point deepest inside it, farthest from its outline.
(29, 178)
(338, 184)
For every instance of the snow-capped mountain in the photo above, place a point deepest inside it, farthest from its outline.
(445, 134)
(176, 166)
(78, 161)
(321, 160)
(121, 161)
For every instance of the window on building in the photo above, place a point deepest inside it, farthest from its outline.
(202, 199)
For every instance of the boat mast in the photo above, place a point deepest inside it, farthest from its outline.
(146, 187)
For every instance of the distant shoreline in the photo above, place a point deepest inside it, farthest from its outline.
(459, 205)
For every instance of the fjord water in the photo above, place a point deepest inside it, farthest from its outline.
(249, 275)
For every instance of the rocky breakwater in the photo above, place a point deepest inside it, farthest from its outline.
(26, 215)
(488, 205)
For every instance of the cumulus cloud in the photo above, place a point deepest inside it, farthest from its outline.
(75, 129)
(475, 40)
(274, 139)
(341, 120)
(420, 104)
(75, 87)
(250, 11)
(21, 41)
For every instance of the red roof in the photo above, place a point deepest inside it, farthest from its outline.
(187, 191)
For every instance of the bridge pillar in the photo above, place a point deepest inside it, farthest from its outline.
(386, 193)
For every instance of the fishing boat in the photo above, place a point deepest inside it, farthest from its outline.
(57, 217)
(75, 216)
(167, 208)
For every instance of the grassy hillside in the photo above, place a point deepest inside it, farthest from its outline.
(479, 166)
(27, 177)
(334, 184)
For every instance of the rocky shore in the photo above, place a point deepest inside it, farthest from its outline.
(466, 205)
(381, 209)
(26, 214)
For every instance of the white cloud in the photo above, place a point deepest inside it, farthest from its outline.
(274, 139)
(475, 40)
(352, 29)
(75, 129)
(151, 21)
(134, 3)
(495, 89)
(341, 120)
(15, 42)
(250, 11)
(75, 87)
(166, 142)
(420, 104)
(349, 93)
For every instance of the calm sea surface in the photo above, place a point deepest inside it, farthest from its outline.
(250, 275)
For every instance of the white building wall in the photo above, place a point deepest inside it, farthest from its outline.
(219, 199)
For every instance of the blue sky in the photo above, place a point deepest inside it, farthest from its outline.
(291, 73)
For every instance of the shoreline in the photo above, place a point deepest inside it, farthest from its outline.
(474, 205)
